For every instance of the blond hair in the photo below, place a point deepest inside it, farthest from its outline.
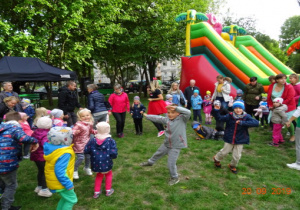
(11, 98)
(40, 112)
(171, 89)
(85, 110)
(154, 85)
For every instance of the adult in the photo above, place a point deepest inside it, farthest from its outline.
(222, 90)
(8, 105)
(96, 103)
(68, 101)
(8, 91)
(120, 104)
(281, 89)
(156, 105)
(177, 95)
(189, 91)
(252, 96)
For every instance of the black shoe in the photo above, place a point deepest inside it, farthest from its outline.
(14, 208)
(141, 133)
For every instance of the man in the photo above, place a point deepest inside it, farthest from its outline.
(189, 91)
(8, 91)
(67, 101)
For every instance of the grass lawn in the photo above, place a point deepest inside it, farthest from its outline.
(262, 182)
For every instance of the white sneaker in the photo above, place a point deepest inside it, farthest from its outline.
(88, 171)
(75, 175)
(37, 189)
(294, 166)
(45, 193)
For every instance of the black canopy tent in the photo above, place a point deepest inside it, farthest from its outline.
(32, 70)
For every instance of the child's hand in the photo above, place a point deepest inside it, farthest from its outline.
(141, 112)
(172, 108)
(34, 147)
(131, 113)
(217, 107)
(77, 131)
(237, 122)
(149, 99)
(145, 114)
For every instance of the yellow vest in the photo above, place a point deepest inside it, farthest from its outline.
(51, 159)
(219, 88)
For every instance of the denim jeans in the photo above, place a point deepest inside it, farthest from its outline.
(80, 158)
(9, 180)
(223, 103)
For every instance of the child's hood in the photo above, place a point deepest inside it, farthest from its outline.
(102, 144)
(283, 108)
(49, 148)
(40, 132)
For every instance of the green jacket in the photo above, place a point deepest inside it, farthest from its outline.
(251, 92)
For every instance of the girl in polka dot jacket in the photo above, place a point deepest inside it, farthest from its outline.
(103, 150)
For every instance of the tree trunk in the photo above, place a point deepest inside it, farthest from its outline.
(147, 80)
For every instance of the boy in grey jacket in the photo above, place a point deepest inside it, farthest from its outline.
(175, 138)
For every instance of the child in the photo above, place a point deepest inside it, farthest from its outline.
(136, 110)
(207, 107)
(58, 116)
(59, 167)
(103, 149)
(26, 128)
(169, 99)
(219, 124)
(175, 138)
(236, 134)
(28, 109)
(263, 111)
(239, 95)
(82, 131)
(278, 119)
(203, 132)
(296, 115)
(11, 134)
(43, 127)
(196, 102)
(40, 112)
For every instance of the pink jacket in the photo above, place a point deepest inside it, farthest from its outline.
(41, 135)
(297, 92)
(119, 103)
(58, 122)
(26, 128)
(83, 137)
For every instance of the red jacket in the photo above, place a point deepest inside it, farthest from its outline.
(287, 96)
(119, 103)
(297, 92)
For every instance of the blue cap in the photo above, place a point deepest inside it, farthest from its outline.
(196, 91)
(238, 104)
(195, 124)
(239, 91)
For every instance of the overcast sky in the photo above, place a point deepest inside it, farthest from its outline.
(270, 14)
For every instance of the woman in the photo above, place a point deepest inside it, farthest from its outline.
(120, 104)
(280, 89)
(156, 106)
(252, 96)
(8, 105)
(96, 103)
(177, 95)
(222, 90)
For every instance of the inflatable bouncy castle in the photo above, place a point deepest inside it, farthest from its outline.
(231, 53)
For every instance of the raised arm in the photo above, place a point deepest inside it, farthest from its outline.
(184, 113)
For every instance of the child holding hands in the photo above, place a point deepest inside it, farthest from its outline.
(235, 135)
(136, 110)
(175, 138)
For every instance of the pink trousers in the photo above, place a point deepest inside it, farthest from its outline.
(277, 136)
(108, 181)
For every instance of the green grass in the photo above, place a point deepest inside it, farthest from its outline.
(201, 185)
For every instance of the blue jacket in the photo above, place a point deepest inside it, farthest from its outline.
(30, 112)
(10, 138)
(135, 110)
(236, 133)
(96, 102)
(102, 155)
(196, 102)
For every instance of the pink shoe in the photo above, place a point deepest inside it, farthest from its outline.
(160, 133)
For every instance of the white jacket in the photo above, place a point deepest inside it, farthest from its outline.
(226, 90)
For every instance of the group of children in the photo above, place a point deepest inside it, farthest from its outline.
(53, 149)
